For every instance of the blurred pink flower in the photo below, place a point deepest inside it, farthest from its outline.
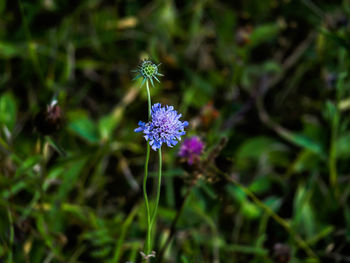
(191, 149)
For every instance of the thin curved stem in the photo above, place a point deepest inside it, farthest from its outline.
(147, 247)
(154, 214)
(148, 237)
(151, 218)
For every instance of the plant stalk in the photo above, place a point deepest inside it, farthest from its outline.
(154, 214)
(147, 246)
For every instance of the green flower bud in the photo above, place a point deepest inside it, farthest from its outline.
(148, 71)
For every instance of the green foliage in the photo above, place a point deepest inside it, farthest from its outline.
(265, 84)
(8, 111)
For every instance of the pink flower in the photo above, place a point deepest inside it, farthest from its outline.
(191, 149)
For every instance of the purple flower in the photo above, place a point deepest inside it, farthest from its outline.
(164, 127)
(191, 149)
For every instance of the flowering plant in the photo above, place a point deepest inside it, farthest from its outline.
(163, 126)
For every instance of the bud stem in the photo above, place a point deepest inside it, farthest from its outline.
(147, 247)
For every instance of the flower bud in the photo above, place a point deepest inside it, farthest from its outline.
(148, 71)
(49, 120)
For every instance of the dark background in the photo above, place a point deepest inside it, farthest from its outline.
(264, 83)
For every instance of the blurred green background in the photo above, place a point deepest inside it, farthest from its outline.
(264, 83)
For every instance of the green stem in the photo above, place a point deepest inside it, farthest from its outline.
(333, 158)
(149, 101)
(158, 188)
(147, 247)
(148, 237)
(10, 255)
(151, 218)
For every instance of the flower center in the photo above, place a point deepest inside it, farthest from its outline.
(149, 69)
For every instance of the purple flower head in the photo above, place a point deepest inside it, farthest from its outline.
(164, 127)
(191, 149)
